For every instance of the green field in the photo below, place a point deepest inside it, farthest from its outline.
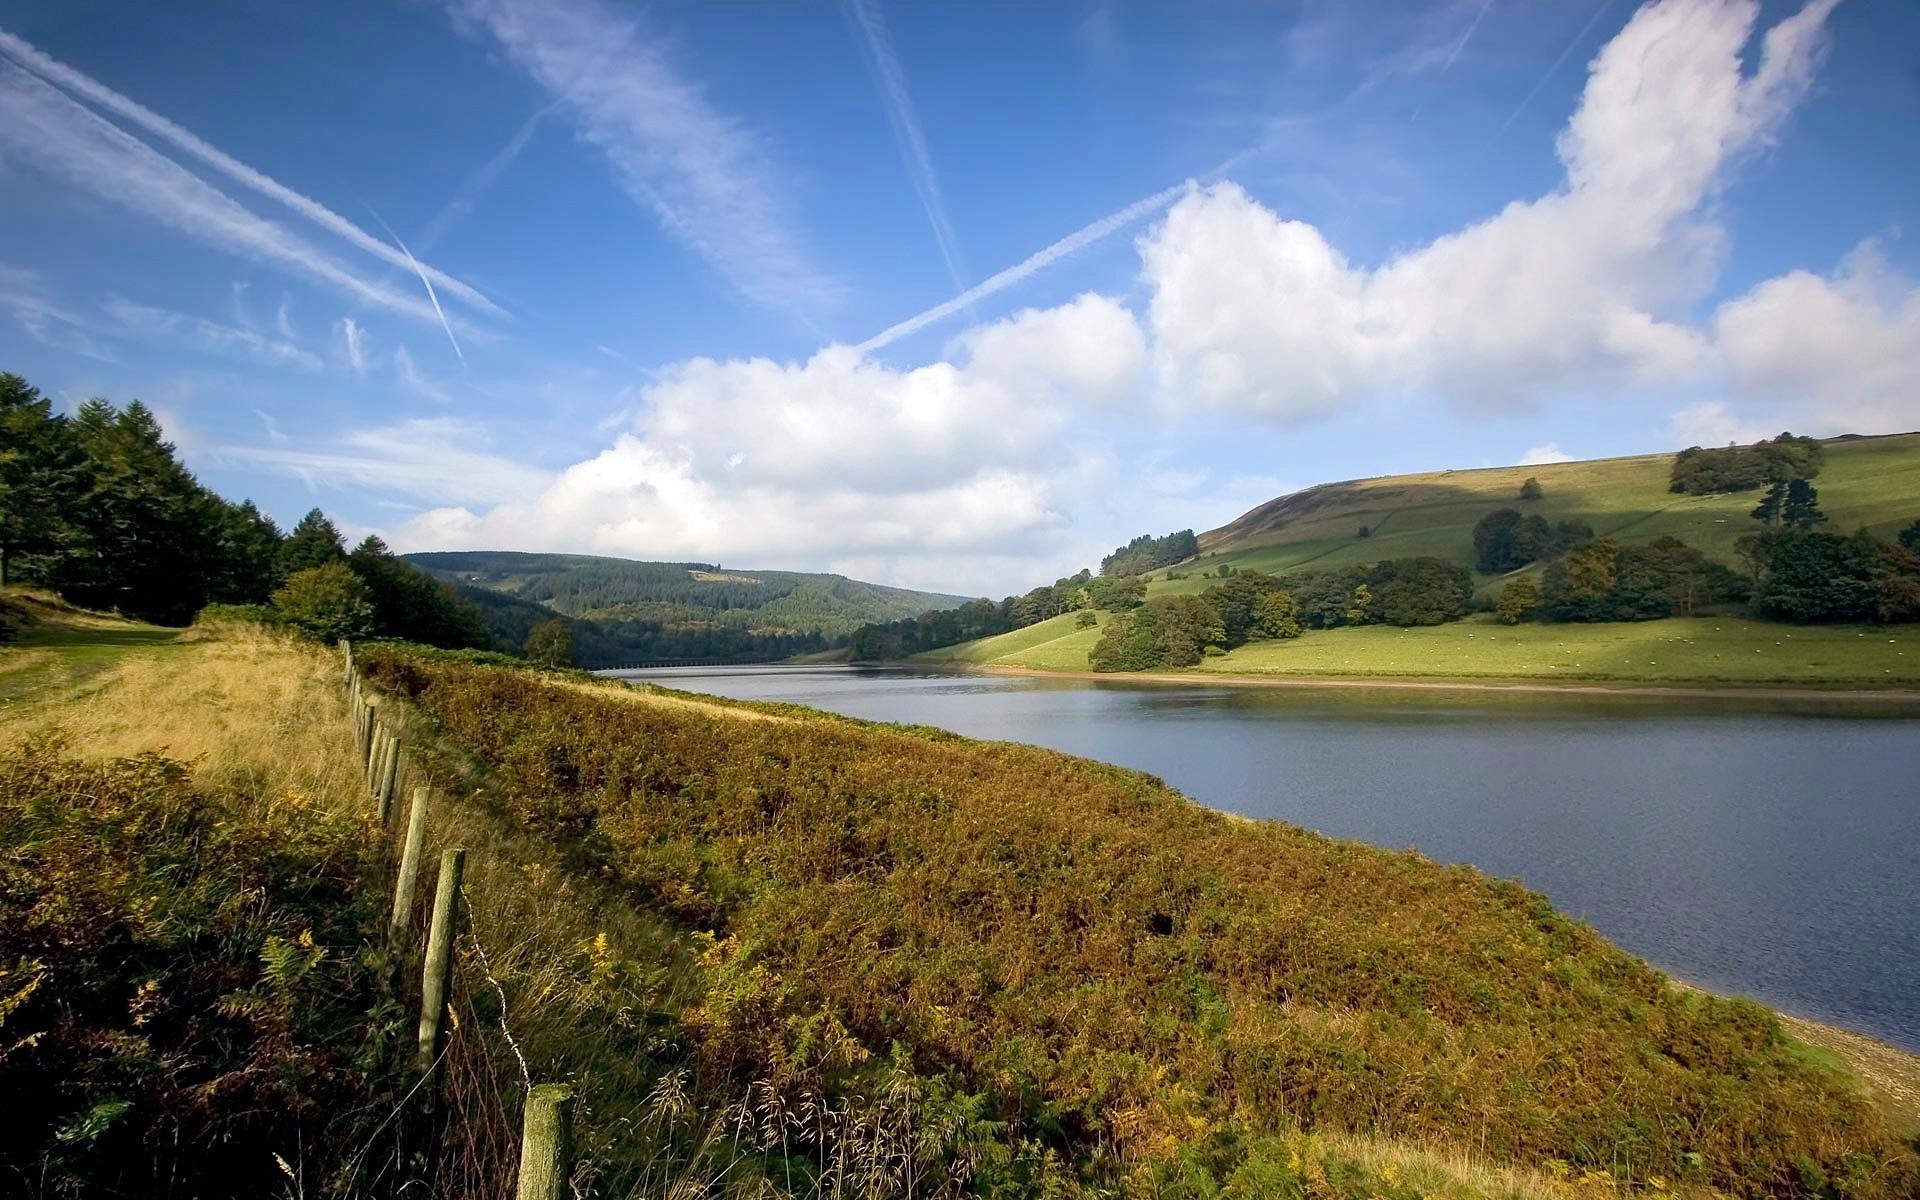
(1871, 483)
(1682, 650)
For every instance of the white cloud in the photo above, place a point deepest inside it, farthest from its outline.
(1842, 349)
(1713, 423)
(1262, 314)
(41, 125)
(51, 70)
(704, 177)
(1541, 455)
(840, 458)
(209, 337)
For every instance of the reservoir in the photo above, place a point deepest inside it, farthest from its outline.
(1769, 849)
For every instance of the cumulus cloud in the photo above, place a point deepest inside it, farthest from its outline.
(1255, 312)
(837, 458)
(1542, 455)
(1844, 349)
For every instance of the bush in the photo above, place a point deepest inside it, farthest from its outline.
(328, 603)
(1517, 600)
(245, 614)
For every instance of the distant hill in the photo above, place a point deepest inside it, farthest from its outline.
(627, 610)
(1870, 482)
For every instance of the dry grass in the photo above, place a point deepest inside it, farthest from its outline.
(245, 709)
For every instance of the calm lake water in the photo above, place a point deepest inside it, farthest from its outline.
(1770, 850)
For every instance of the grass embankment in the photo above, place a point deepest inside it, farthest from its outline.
(1096, 983)
(1677, 652)
(1871, 483)
(810, 957)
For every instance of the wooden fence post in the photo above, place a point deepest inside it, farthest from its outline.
(408, 880)
(376, 758)
(391, 779)
(546, 1143)
(346, 651)
(437, 976)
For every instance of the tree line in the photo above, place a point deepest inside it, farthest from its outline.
(1699, 471)
(98, 507)
(1147, 553)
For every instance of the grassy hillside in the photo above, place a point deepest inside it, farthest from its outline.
(1055, 644)
(1866, 482)
(579, 585)
(1124, 993)
(1729, 651)
(782, 954)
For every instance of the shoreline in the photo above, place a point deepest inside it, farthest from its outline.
(1819, 693)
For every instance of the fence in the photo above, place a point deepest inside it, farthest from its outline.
(546, 1154)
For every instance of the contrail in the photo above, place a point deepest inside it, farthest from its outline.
(1466, 37)
(61, 75)
(1078, 240)
(906, 130)
(414, 263)
(1548, 74)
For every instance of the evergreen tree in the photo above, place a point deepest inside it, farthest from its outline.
(1801, 507)
(40, 470)
(412, 605)
(1531, 490)
(314, 542)
(143, 524)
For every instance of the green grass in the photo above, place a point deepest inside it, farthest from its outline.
(1055, 644)
(57, 647)
(1870, 483)
(1681, 650)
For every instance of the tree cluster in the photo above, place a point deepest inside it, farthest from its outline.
(97, 507)
(1604, 579)
(1146, 553)
(1704, 472)
(1506, 540)
(1394, 591)
(1176, 631)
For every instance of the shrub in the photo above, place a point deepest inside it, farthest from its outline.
(328, 603)
(1517, 600)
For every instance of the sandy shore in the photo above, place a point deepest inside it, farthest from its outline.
(1896, 696)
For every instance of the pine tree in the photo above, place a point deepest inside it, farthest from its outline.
(314, 542)
(40, 467)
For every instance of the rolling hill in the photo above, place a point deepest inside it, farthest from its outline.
(626, 610)
(1867, 482)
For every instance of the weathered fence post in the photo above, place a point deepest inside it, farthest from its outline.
(391, 779)
(437, 976)
(376, 758)
(546, 1145)
(346, 652)
(408, 880)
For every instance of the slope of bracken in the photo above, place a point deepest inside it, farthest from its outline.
(1132, 992)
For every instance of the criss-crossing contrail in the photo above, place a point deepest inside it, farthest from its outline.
(428, 283)
(1075, 241)
(906, 130)
(30, 58)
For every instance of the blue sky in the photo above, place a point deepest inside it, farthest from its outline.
(949, 295)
